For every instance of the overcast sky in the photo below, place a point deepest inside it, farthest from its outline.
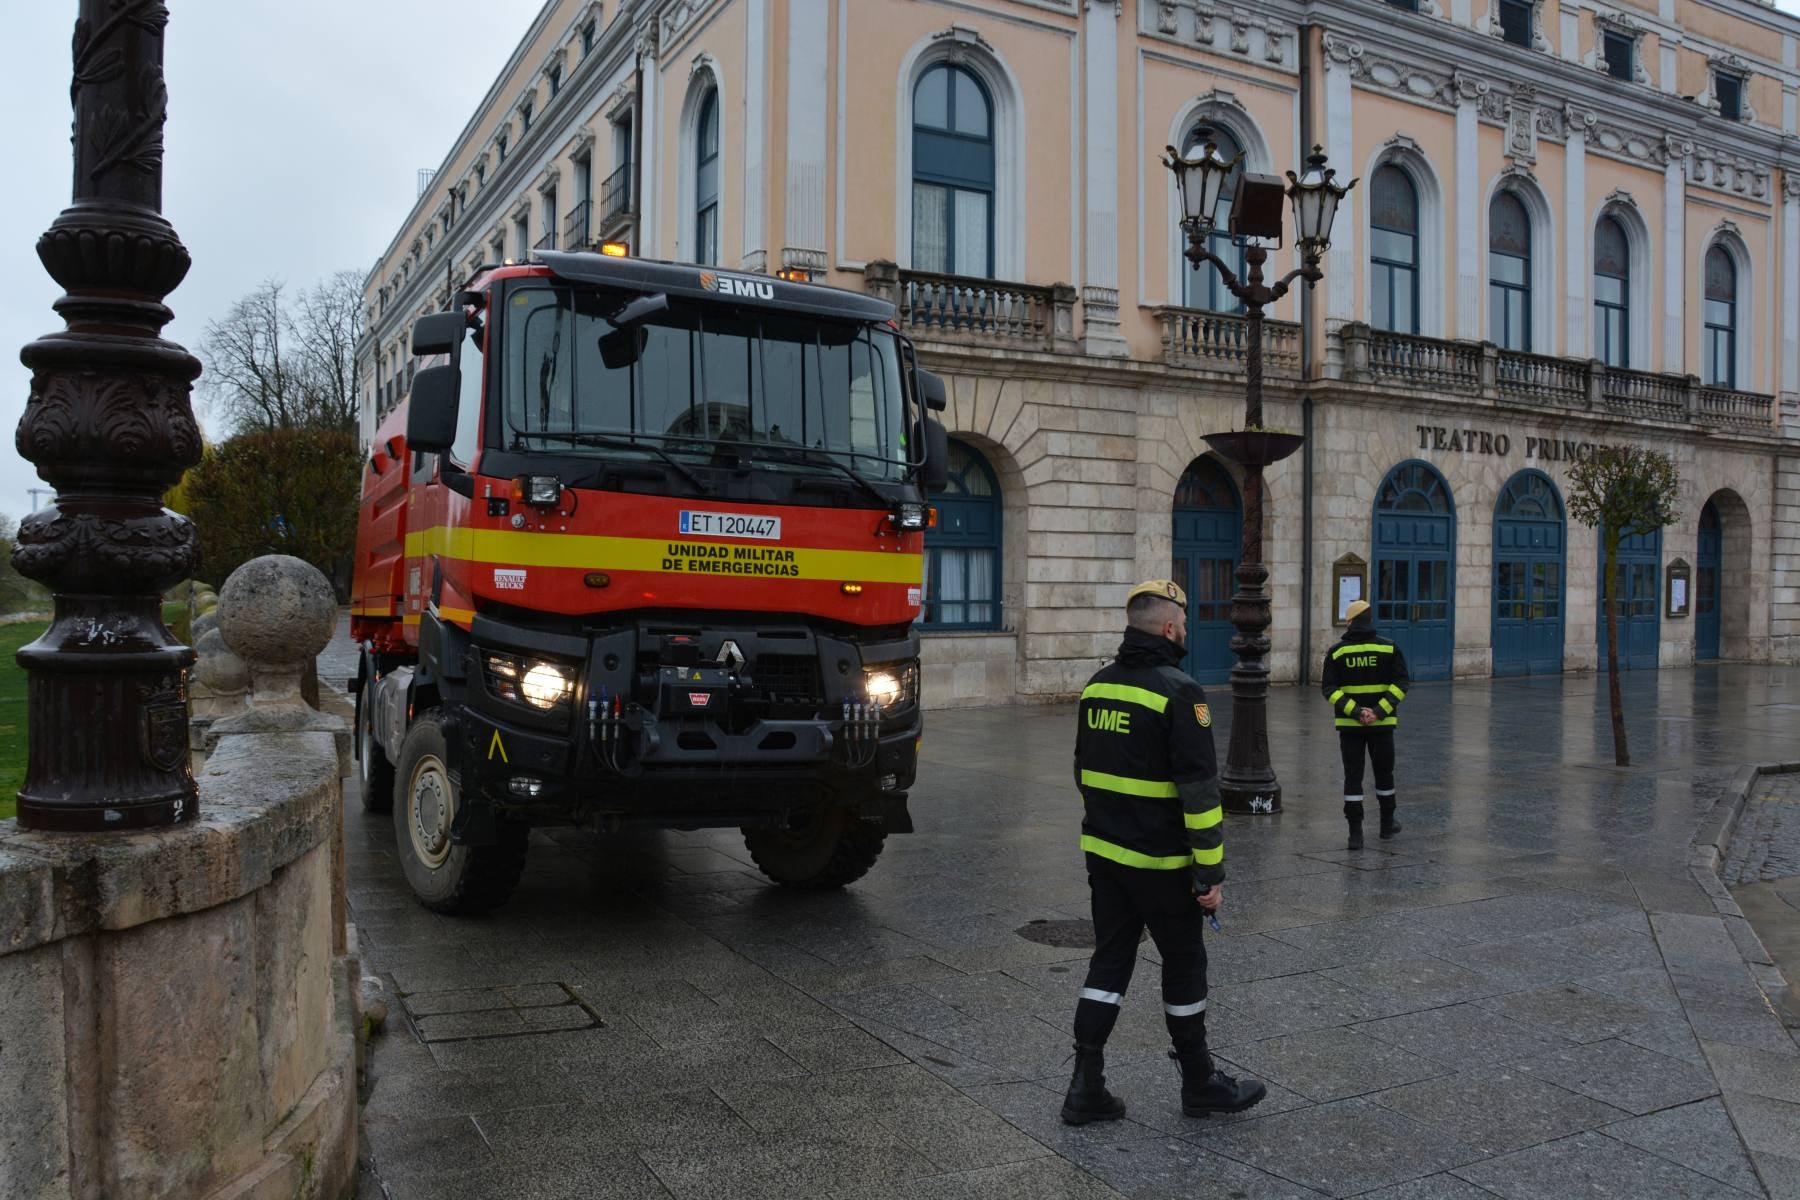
(296, 132)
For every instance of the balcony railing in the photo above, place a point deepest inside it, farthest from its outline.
(1481, 369)
(547, 242)
(1194, 337)
(983, 311)
(615, 196)
(575, 225)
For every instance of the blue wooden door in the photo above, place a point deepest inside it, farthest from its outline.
(1529, 541)
(1208, 524)
(1707, 596)
(1640, 579)
(1415, 549)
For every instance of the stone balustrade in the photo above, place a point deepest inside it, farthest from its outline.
(1452, 369)
(987, 312)
(1196, 337)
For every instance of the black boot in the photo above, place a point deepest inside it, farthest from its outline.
(1088, 1099)
(1353, 815)
(1389, 826)
(1205, 1089)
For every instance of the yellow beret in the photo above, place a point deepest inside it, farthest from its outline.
(1357, 608)
(1168, 589)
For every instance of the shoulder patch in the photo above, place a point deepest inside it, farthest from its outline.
(1203, 714)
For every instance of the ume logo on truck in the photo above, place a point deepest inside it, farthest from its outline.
(736, 285)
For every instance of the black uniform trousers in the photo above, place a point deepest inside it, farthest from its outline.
(1126, 900)
(1377, 742)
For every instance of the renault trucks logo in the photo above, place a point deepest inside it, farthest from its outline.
(736, 285)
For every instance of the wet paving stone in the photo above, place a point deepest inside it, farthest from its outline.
(1478, 1008)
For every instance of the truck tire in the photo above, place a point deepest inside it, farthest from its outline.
(445, 876)
(373, 769)
(829, 849)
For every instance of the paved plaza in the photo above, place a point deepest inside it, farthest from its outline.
(1525, 995)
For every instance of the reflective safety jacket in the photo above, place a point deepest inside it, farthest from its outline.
(1145, 765)
(1364, 670)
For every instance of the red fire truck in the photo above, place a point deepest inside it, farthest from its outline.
(643, 549)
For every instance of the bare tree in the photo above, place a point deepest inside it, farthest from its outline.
(274, 364)
(250, 374)
(329, 322)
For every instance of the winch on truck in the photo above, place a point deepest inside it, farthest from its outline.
(644, 549)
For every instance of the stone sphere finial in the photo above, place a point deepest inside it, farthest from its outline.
(219, 670)
(277, 610)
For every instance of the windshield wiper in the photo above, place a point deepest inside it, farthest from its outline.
(826, 460)
(607, 441)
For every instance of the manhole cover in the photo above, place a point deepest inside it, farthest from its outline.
(1066, 935)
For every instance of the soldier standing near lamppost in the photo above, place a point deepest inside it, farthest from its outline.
(1364, 681)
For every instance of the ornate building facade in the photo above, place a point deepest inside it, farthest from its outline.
(1577, 223)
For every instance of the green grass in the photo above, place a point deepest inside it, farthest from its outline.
(12, 712)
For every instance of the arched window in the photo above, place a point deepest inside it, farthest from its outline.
(706, 179)
(953, 173)
(962, 554)
(1509, 273)
(1719, 350)
(1201, 286)
(1393, 251)
(1612, 294)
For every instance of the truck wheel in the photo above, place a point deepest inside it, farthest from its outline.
(825, 849)
(447, 877)
(374, 771)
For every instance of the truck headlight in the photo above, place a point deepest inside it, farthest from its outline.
(890, 684)
(540, 684)
(545, 685)
(882, 688)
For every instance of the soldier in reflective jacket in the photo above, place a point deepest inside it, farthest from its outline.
(1153, 839)
(1364, 681)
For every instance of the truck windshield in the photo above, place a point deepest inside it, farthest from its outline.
(692, 379)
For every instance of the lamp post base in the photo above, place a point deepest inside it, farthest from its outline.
(1251, 798)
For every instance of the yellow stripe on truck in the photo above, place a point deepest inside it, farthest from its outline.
(518, 548)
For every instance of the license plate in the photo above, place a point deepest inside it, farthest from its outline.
(724, 524)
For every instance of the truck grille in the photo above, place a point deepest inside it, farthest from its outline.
(787, 676)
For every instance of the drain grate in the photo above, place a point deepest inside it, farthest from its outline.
(519, 1010)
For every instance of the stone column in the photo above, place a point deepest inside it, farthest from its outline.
(1790, 283)
(649, 163)
(1576, 260)
(1674, 154)
(1469, 92)
(807, 55)
(1100, 104)
(109, 425)
(1342, 59)
(755, 140)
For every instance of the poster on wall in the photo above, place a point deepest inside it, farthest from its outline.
(1678, 589)
(1349, 583)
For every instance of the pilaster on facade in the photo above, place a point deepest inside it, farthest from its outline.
(1470, 93)
(1790, 286)
(1101, 335)
(1343, 61)
(807, 103)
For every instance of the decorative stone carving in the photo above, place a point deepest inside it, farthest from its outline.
(1790, 186)
(1240, 32)
(1165, 18)
(963, 35)
(1273, 49)
(1342, 54)
(1521, 123)
(648, 45)
(619, 103)
(546, 183)
(1203, 24)
(276, 613)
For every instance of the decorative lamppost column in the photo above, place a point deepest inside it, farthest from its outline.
(1247, 783)
(109, 426)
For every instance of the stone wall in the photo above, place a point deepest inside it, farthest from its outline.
(180, 1015)
(1088, 454)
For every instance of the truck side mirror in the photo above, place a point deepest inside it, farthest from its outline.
(439, 333)
(431, 412)
(934, 474)
(931, 390)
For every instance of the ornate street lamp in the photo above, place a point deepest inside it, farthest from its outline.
(1248, 783)
(109, 426)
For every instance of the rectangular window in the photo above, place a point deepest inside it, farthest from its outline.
(555, 80)
(587, 40)
(1728, 90)
(525, 116)
(522, 238)
(1618, 50)
(1407, 5)
(1515, 22)
(500, 144)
